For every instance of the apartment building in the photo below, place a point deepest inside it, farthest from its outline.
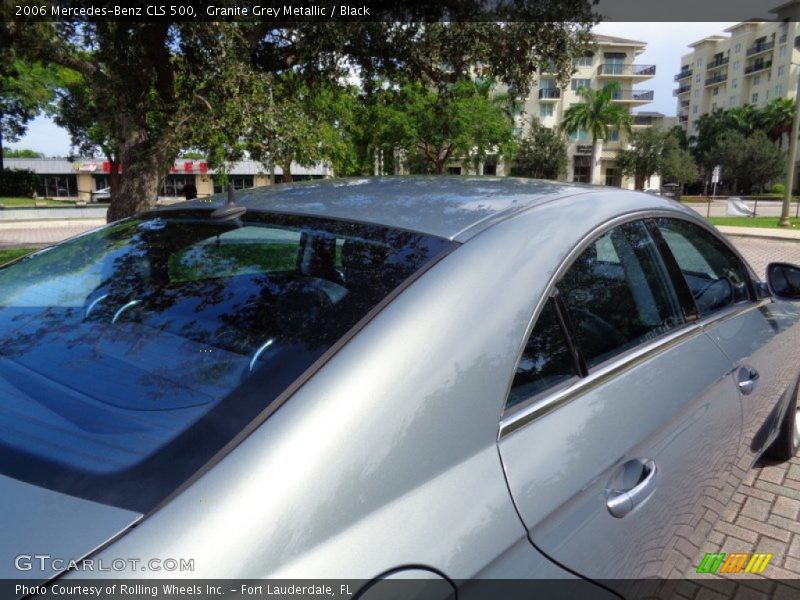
(754, 63)
(612, 59)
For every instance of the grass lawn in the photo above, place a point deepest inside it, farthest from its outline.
(7, 254)
(31, 202)
(763, 222)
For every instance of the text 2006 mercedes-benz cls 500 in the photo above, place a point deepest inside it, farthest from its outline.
(455, 378)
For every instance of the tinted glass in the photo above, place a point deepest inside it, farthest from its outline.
(546, 360)
(618, 295)
(714, 274)
(130, 355)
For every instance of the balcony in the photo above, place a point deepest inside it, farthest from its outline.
(683, 89)
(683, 118)
(633, 96)
(683, 74)
(760, 48)
(717, 79)
(757, 67)
(684, 103)
(645, 120)
(549, 94)
(620, 70)
(716, 64)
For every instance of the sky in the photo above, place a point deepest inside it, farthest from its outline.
(666, 43)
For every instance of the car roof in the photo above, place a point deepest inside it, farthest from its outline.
(451, 207)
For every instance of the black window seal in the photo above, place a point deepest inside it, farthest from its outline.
(568, 331)
(686, 300)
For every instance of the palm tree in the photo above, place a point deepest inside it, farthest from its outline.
(743, 119)
(596, 115)
(776, 118)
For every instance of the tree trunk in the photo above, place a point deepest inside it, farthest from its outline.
(595, 159)
(2, 166)
(287, 171)
(145, 167)
(113, 178)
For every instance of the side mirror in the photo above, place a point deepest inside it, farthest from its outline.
(783, 280)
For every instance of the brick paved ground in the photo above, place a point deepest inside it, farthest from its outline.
(764, 515)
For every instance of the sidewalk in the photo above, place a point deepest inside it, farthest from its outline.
(772, 234)
(42, 233)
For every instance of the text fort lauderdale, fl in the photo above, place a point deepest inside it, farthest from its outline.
(335, 10)
(141, 589)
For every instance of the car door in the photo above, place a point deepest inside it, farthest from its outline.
(623, 420)
(753, 332)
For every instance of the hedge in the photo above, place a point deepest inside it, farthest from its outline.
(18, 183)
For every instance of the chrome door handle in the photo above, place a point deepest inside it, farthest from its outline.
(747, 379)
(621, 502)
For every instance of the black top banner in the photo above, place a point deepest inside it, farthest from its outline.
(282, 12)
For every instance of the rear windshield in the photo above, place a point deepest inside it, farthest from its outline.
(131, 355)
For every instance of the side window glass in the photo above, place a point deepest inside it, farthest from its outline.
(618, 294)
(714, 274)
(546, 360)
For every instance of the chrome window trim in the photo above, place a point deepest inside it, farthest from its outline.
(622, 363)
(537, 406)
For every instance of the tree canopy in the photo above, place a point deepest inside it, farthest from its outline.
(158, 87)
(461, 120)
(643, 159)
(541, 153)
(748, 162)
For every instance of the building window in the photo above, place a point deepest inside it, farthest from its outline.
(576, 84)
(736, 66)
(613, 177)
(174, 184)
(767, 95)
(754, 98)
(57, 186)
(240, 182)
(546, 110)
(613, 135)
(582, 169)
(713, 106)
(490, 169)
(579, 135)
(697, 77)
(694, 109)
(732, 101)
(100, 182)
(779, 90)
(782, 51)
(700, 61)
(547, 84)
(584, 61)
(454, 170)
(781, 71)
(697, 93)
(738, 48)
(757, 80)
(734, 83)
(715, 92)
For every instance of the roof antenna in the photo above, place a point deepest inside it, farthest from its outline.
(230, 210)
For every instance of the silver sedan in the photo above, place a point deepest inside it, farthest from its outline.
(454, 379)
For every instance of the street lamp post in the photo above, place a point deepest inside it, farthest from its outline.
(787, 196)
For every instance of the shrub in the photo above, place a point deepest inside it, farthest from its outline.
(18, 182)
(778, 188)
